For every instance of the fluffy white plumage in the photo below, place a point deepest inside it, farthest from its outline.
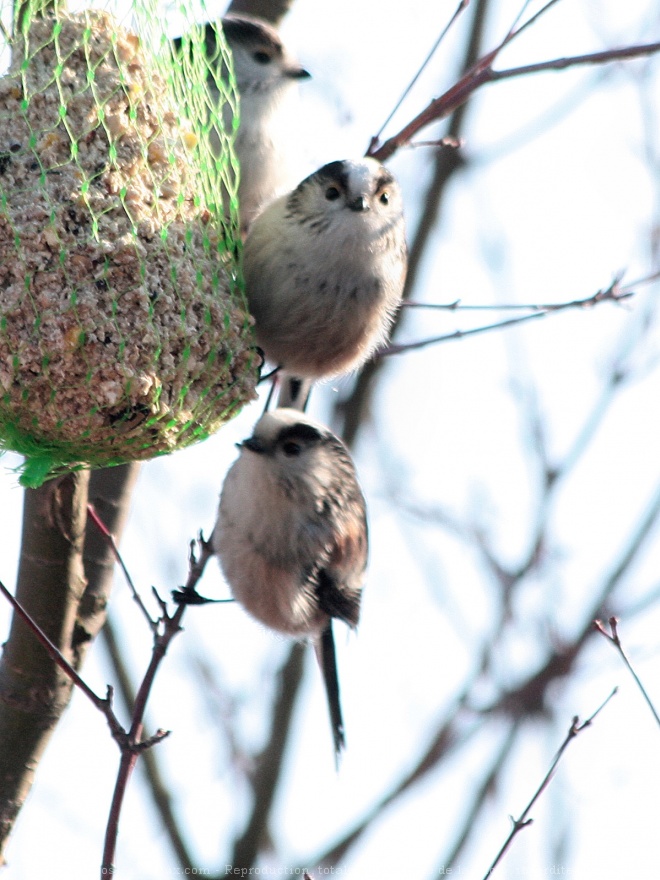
(291, 535)
(325, 267)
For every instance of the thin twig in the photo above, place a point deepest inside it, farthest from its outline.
(482, 73)
(523, 821)
(104, 704)
(100, 525)
(168, 627)
(515, 31)
(162, 797)
(394, 348)
(603, 57)
(477, 74)
(614, 293)
(448, 141)
(197, 564)
(613, 638)
(188, 595)
(462, 6)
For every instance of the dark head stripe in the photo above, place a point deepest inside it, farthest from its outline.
(300, 431)
(334, 172)
(250, 32)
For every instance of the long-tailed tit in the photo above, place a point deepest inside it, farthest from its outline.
(291, 536)
(267, 144)
(324, 269)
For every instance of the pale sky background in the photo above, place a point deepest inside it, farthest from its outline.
(559, 198)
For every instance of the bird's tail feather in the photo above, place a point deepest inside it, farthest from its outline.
(327, 658)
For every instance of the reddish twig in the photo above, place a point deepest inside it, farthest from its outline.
(482, 73)
(130, 742)
(462, 6)
(168, 627)
(624, 53)
(103, 704)
(476, 75)
(100, 525)
(523, 821)
(613, 638)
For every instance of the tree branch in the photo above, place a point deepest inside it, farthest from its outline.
(522, 821)
(481, 73)
(161, 796)
(112, 544)
(479, 799)
(168, 628)
(446, 163)
(34, 690)
(110, 492)
(614, 293)
(246, 847)
(614, 639)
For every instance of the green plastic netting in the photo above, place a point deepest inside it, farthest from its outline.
(123, 327)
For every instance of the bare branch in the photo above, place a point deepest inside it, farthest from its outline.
(100, 525)
(477, 74)
(169, 626)
(400, 348)
(482, 73)
(614, 293)
(161, 796)
(623, 54)
(614, 639)
(462, 6)
(522, 821)
(446, 164)
(103, 704)
(270, 763)
(172, 626)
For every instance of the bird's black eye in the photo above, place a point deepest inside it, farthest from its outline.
(332, 193)
(262, 57)
(384, 198)
(291, 448)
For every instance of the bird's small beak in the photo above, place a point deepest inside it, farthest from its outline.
(253, 444)
(359, 204)
(298, 73)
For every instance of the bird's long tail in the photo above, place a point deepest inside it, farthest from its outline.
(327, 658)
